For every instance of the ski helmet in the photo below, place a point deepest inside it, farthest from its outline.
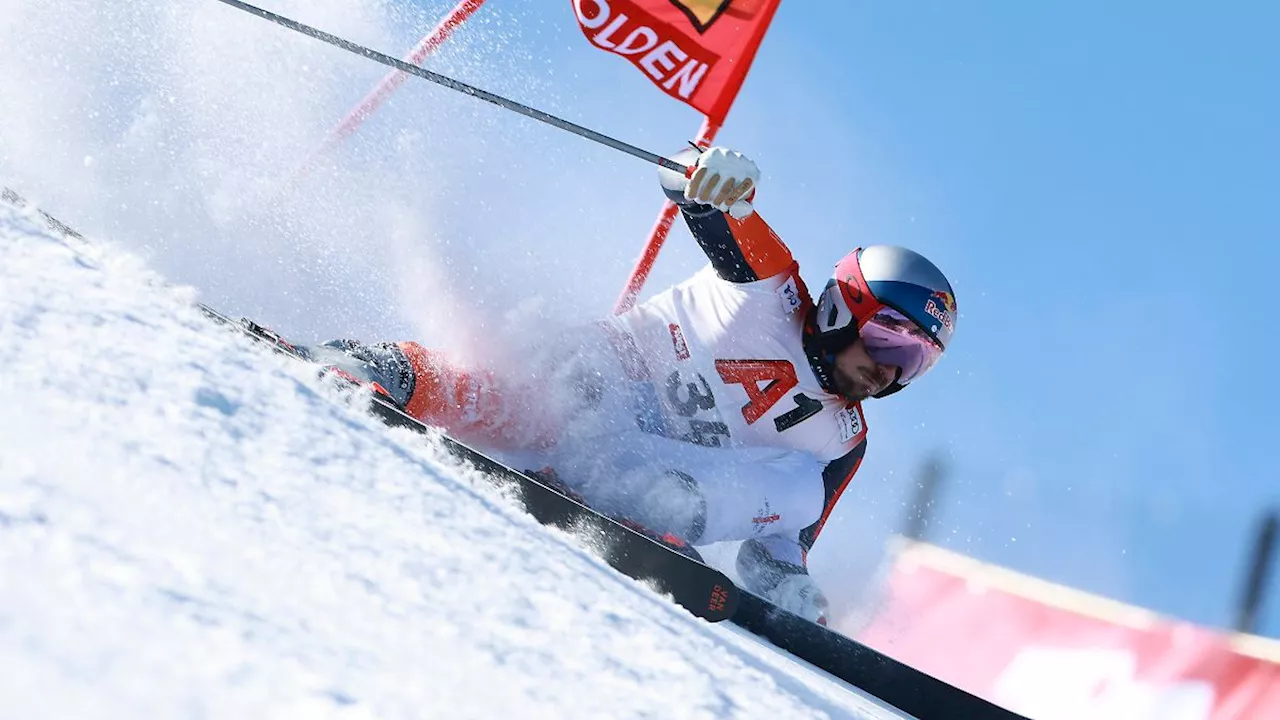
(898, 302)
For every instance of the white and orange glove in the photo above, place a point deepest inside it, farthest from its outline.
(725, 180)
(799, 595)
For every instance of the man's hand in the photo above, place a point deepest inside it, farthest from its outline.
(725, 180)
(799, 594)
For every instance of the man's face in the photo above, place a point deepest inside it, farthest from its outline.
(857, 376)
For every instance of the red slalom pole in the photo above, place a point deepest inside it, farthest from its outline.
(658, 235)
(394, 79)
(388, 85)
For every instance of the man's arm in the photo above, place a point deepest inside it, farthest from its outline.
(775, 567)
(741, 250)
(836, 476)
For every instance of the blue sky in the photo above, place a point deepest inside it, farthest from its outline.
(1101, 182)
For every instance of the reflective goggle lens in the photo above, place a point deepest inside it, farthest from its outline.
(892, 339)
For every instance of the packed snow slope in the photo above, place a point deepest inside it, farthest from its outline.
(193, 527)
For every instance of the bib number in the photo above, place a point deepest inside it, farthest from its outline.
(689, 399)
(779, 377)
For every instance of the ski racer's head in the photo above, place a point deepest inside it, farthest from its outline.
(883, 320)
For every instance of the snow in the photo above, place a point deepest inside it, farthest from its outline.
(192, 527)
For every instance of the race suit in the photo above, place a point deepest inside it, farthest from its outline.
(696, 413)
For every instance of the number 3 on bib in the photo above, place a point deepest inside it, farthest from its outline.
(780, 376)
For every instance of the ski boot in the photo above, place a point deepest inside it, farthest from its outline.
(381, 368)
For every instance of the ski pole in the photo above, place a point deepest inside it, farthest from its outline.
(458, 86)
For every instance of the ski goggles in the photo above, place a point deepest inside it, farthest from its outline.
(891, 338)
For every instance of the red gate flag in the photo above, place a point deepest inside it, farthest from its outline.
(697, 51)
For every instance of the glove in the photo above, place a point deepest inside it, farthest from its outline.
(725, 180)
(799, 595)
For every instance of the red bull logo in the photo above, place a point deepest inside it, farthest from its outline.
(946, 300)
(942, 306)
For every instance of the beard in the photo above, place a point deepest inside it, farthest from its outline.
(859, 387)
(851, 388)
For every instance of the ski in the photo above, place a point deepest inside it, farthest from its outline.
(703, 591)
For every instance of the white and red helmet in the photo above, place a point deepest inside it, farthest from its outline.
(898, 302)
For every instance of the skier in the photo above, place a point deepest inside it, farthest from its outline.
(728, 407)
